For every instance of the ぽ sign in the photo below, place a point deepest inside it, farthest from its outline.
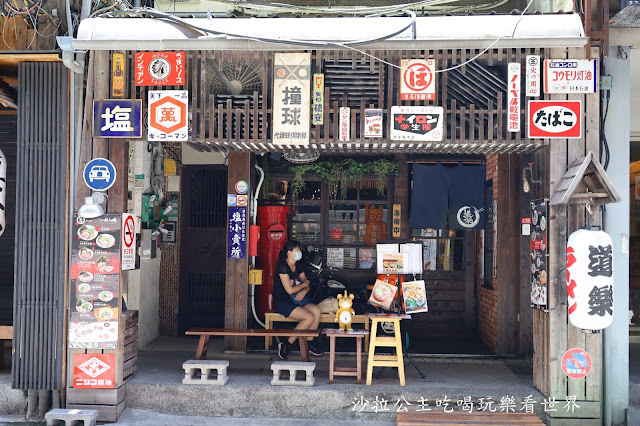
(576, 363)
(555, 119)
(418, 80)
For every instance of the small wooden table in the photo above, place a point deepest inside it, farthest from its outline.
(345, 371)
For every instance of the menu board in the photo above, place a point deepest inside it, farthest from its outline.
(539, 254)
(95, 282)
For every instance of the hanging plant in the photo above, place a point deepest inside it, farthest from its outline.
(338, 174)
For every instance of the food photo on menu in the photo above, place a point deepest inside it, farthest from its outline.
(382, 294)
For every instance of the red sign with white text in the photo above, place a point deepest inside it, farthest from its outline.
(160, 68)
(94, 371)
(555, 119)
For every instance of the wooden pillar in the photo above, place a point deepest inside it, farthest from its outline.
(236, 288)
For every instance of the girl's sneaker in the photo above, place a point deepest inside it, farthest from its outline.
(283, 350)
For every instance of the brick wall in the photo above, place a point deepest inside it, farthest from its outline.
(170, 266)
(488, 298)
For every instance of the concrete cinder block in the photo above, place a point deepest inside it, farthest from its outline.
(293, 367)
(192, 367)
(88, 417)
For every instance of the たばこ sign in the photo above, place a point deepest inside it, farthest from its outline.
(555, 119)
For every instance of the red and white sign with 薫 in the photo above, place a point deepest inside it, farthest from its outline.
(168, 115)
(418, 82)
(513, 97)
(160, 69)
(555, 119)
(570, 76)
(532, 83)
(345, 125)
(94, 371)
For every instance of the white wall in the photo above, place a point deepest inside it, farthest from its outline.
(635, 92)
(143, 295)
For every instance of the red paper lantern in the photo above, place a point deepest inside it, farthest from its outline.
(337, 234)
(590, 279)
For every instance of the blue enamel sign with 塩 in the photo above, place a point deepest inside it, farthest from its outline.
(99, 174)
(117, 118)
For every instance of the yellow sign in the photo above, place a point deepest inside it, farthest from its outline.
(117, 76)
(255, 276)
(397, 220)
(317, 105)
(169, 167)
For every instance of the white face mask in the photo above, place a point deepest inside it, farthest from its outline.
(298, 255)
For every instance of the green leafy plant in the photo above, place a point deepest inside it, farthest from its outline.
(338, 175)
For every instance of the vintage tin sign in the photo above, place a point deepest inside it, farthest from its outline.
(237, 233)
(117, 76)
(416, 123)
(94, 371)
(117, 118)
(372, 123)
(513, 97)
(532, 83)
(168, 115)
(160, 69)
(576, 363)
(317, 105)
(418, 82)
(555, 119)
(570, 76)
(291, 103)
(128, 242)
(345, 123)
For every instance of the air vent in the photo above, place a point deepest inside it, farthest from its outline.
(353, 84)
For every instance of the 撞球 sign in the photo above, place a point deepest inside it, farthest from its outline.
(117, 118)
(160, 69)
(168, 115)
(570, 76)
(418, 82)
(291, 103)
(416, 123)
(555, 119)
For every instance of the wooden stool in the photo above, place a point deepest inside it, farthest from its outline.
(345, 371)
(384, 341)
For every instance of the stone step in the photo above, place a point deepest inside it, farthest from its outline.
(88, 417)
(293, 367)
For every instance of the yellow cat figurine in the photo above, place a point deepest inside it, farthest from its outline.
(343, 315)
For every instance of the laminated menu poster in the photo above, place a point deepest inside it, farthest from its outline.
(382, 294)
(415, 296)
(394, 263)
(539, 254)
(95, 282)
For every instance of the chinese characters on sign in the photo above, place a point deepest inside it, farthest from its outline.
(317, 105)
(418, 81)
(555, 119)
(95, 282)
(397, 220)
(576, 363)
(160, 68)
(237, 233)
(117, 118)
(128, 242)
(168, 115)
(513, 97)
(416, 123)
(590, 279)
(570, 76)
(372, 123)
(539, 241)
(532, 86)
(94, 371)
(345, 123)
(291, 90)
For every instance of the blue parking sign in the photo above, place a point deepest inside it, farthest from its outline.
(99, 174)
(117, 118)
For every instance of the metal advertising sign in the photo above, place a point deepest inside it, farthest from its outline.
(372, 123)
(160, 68)
(416, 123)
(539, 256)
(94, 371)
(570, 76)
(532, 85)
(95, 282)
(168, 115)
(117, 76)
(555, 119)
(576, 363)
(513, 97)
(317, 106)
(291, 103)
(128, 242)
(3, 191)
(117, 118)
(99, 174)
(418, 82)
(237, 233)
(345, 123)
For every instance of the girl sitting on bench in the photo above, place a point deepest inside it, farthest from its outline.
(291, 297)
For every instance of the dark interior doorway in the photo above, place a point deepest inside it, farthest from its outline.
(203, 244)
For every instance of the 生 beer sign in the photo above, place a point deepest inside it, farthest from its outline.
(555, 119)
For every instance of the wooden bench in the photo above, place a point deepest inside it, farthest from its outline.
(6, 333)
(206, 333)
(434, 417)
(271, 317)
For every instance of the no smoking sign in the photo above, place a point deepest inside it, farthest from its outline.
(418, 82)
(128, 242)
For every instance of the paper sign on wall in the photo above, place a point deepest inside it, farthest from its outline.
(291, 103)
(513, 98)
